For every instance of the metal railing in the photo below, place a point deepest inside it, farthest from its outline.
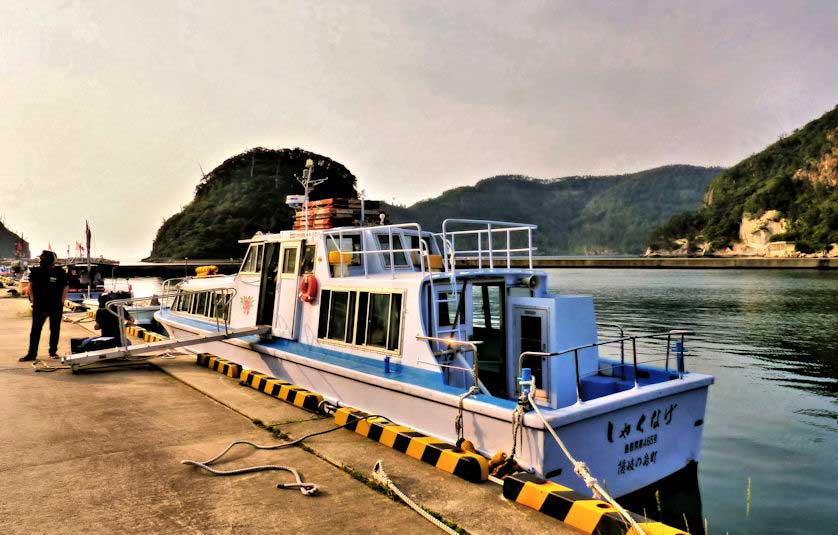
(452, 344)
(117, 307)
(632, 339)
(488, 229)
(486, 238)
(336, 237)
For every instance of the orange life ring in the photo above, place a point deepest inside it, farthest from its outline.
(308, 288)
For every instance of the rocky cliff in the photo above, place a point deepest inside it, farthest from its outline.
(9, 244)
(782, 201)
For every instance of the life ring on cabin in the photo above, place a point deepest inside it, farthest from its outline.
(308, 288)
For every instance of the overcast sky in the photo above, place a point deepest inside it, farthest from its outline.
(109, 109)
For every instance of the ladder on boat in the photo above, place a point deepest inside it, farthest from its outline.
(89, 357)
(452, 297)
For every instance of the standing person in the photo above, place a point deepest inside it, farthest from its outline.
(47, 293)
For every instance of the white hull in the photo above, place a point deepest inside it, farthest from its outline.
(661, 424)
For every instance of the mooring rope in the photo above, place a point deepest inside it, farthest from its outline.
(581, 469)
(458, 420)
(381, 477)
(308, 489)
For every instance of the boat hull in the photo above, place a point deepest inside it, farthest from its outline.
(628, 442)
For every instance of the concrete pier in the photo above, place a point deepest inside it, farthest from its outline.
(100, 452)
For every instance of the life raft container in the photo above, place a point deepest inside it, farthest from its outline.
(308, 288)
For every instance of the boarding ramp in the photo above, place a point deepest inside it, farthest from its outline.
(81, 359)
(117, 307)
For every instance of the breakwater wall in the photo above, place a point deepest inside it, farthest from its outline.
(541, 262)
(171, 268)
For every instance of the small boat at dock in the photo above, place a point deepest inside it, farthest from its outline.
(386, 320)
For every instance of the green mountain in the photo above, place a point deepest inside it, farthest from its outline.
(575, 215)
(793, 184)
(9, 242)
(243, 195)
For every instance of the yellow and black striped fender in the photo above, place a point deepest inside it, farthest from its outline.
(575, 509)
(281, 390)
(467, 465)
(223, 366)
(149, 336)
(133, 330)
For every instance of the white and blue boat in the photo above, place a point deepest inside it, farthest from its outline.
(424, 327)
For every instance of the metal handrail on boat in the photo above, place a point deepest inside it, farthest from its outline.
(451, 342)
(633, 339)
(488, 228)
(391, 251)
(117, 306)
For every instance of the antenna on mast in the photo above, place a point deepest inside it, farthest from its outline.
(308, 185)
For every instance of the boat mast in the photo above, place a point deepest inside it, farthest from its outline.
(308, 185)
(89, 275)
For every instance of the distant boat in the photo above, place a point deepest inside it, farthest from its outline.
(86, 280)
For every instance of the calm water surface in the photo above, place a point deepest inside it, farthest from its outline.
(771, 340)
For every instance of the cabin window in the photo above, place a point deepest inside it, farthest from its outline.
(253, 259)
(259, 253)
(308, 258)
(486, 305)
(346, 244)
(211, 305)
(378, 317)
(323, 322)
(394, 329)
(289, 261)
(448, 313)
(338, 311)
(201, 306)
(399, 258)
(361, 318)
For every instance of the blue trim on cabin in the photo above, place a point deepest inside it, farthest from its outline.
(370, 366)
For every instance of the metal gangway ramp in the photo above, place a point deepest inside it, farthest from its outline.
(117, 308)
(80, 359)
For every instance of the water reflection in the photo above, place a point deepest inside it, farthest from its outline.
(771, 340)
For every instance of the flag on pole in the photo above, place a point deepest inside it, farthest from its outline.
(89, 275)
(87, 238)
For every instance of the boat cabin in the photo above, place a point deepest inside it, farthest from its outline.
(401, 298)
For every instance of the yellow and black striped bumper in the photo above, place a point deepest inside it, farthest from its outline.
(226, 367)
(464, 464)
(575, 509)
(281, 390)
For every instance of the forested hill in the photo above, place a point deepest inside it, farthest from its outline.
(8, 243)
(575, 215)
(243, 195)
(792, 186)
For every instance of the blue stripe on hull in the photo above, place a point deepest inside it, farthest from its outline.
(370, 366)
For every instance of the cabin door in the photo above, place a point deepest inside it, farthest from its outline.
(287, 312)
(268, 285)
(531, 333)
(488, 300)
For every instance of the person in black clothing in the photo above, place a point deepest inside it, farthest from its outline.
(47, 293)
(107, 321)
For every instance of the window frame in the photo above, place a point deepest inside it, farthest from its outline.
(255, 261)
(353, 313)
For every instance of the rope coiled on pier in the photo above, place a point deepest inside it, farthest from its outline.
(308, 489)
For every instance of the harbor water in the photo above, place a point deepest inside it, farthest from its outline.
(770, 337)
(771, 340)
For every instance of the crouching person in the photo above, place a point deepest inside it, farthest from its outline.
(108, 323)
